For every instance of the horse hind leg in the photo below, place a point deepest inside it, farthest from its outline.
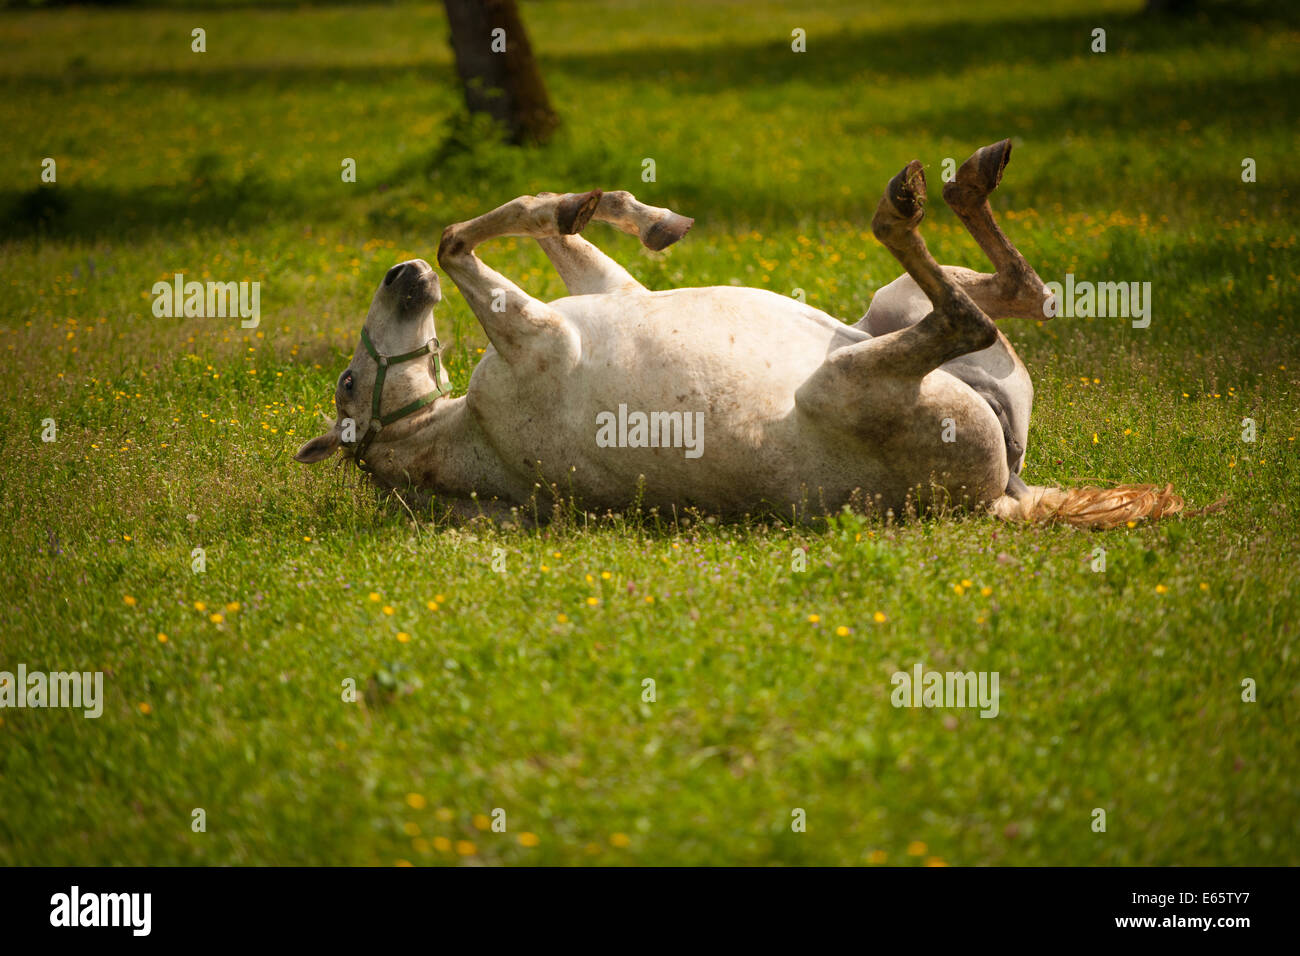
(880, 389)
(956, 325)
(953, 327)
(1015, 288)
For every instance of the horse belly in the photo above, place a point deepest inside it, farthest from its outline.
(688, 398)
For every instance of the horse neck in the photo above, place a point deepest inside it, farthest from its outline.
(445, 452)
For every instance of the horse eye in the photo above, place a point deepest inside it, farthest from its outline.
(347, 382)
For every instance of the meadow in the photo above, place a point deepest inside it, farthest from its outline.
(523, 691)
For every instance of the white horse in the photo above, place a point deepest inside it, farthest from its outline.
(727, 399)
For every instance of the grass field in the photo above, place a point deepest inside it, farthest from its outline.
(1120, 690)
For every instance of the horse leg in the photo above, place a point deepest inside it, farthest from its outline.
(956, 325)
(520, 327)
(881, 389)
(585, 269)
(1015, 289)
(657, 228)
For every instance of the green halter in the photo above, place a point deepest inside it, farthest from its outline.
(378, 421)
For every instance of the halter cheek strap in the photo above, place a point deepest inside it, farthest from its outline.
(377, 421)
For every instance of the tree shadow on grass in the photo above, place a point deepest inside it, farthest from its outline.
(238, 205)
(916, 52)
(920, 52)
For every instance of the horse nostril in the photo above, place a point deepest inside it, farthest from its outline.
(394, 272)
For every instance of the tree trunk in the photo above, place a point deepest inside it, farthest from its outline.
(497, 69)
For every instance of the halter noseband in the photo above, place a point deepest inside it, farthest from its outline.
(377, 421)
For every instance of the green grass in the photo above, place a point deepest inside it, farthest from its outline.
(1119, 690)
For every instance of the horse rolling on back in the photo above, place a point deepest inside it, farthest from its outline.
(725, 399)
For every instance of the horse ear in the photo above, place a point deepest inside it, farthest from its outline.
(319, 448)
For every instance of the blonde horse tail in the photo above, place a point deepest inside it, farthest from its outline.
(1093, 507)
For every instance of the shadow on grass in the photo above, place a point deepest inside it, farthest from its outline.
(487, 171)
(920, 52)
(916, 52)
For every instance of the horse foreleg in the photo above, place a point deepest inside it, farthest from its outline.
(519, 326)
(657, 227)
(585, 269)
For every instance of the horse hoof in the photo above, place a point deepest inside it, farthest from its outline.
(666, 231)
(574, 211)
(903, 206)
(907, 192)
(978, 176)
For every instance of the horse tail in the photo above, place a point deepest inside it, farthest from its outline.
(1092, 507)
